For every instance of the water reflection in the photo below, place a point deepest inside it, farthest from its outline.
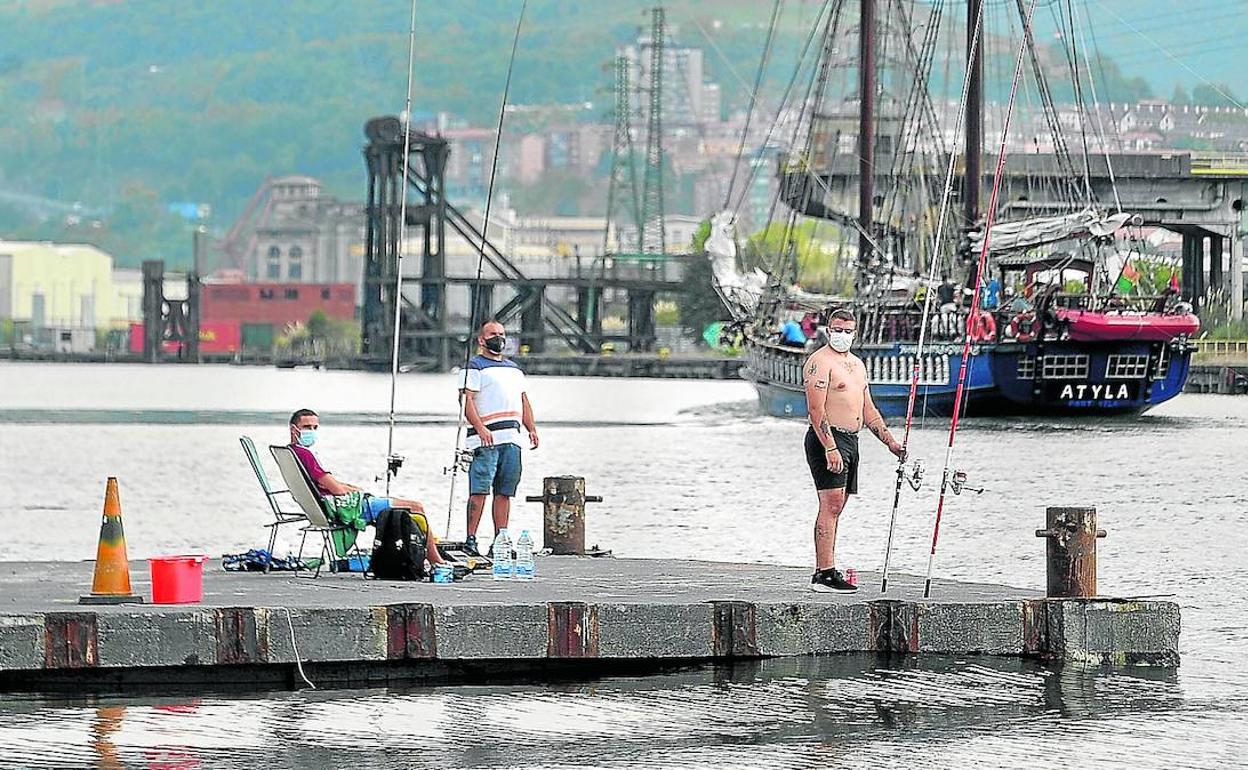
(106, 723)
(790, 713)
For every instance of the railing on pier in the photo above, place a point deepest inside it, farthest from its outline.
(623, 268)
(1221, 350)
(1220, 164)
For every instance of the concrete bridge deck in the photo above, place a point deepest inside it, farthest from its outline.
(580, 617)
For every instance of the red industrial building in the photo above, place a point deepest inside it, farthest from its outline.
(250, 316)
(277, 304)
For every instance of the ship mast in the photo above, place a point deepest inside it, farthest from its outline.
(866, 129)
(974, 111)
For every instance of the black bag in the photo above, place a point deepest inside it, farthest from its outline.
(398, 547)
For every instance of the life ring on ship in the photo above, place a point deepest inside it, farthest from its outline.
(982, 327)
(1022, 327)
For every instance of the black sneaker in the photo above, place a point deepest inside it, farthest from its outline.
(831, 580)
(470, 546)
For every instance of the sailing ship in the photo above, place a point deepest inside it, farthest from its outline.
(1070, 342)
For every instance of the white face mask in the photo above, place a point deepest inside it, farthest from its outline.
(840, 341)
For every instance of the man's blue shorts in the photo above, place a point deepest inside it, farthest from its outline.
(495, 466)
(373, 506)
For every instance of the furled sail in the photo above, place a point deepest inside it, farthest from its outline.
(1028, 233)
(740, 292)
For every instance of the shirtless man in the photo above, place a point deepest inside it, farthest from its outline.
(838, 400)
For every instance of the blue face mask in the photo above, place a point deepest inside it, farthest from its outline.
(307, 438)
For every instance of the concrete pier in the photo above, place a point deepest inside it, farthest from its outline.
(581, 617)
(1220, 378)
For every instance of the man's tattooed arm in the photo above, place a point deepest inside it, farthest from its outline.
(880, 430)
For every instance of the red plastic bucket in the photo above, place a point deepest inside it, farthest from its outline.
(177, 579)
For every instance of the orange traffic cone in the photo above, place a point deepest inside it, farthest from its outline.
(112, 570)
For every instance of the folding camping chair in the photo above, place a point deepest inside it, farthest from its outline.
(304, 491)
(280, 516)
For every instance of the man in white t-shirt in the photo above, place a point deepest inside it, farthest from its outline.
(495, 405)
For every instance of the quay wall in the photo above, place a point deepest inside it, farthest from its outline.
(135, 644)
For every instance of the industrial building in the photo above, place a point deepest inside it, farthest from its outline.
(59, 294)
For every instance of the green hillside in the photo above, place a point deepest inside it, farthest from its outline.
(127, 106)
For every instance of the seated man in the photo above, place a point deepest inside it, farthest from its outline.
(304, 425)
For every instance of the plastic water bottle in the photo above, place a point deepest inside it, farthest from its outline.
(524, 568)
(501, 554)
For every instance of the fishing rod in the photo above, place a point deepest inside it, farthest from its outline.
(915, 477)
(462, 457)
(957, 479)
(393, 461)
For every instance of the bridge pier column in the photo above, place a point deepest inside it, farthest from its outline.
(153, 309)
(1193, 269)
(531, 332)
(589, 309)
(1215, 264)
(1237, 275)
(641, 328)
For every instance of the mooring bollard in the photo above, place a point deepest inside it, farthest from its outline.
(563, 520)
(1071, 552)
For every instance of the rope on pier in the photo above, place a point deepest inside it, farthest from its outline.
(295, 646)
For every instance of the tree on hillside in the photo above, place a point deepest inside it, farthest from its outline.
(1214, 95)
(1112, 85)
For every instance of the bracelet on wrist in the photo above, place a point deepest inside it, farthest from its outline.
(830, 450)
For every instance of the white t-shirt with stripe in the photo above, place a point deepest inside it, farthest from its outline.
(499, 386)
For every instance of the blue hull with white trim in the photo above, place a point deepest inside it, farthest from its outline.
(1064, 377)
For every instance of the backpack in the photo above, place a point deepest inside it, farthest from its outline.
(398, 547)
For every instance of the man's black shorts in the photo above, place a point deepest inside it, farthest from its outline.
(817, 459)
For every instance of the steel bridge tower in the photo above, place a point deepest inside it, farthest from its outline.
(654, 236)
(422, 327)
(623, 189)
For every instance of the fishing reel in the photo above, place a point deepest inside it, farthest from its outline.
(913, 477)
(393, 463)
(957, 482)
(462, 462)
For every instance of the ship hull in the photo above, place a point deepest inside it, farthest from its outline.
(1018, 379)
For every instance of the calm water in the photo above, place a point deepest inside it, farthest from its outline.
(688, 469)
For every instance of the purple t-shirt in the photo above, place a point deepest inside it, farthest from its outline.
(312, 466)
